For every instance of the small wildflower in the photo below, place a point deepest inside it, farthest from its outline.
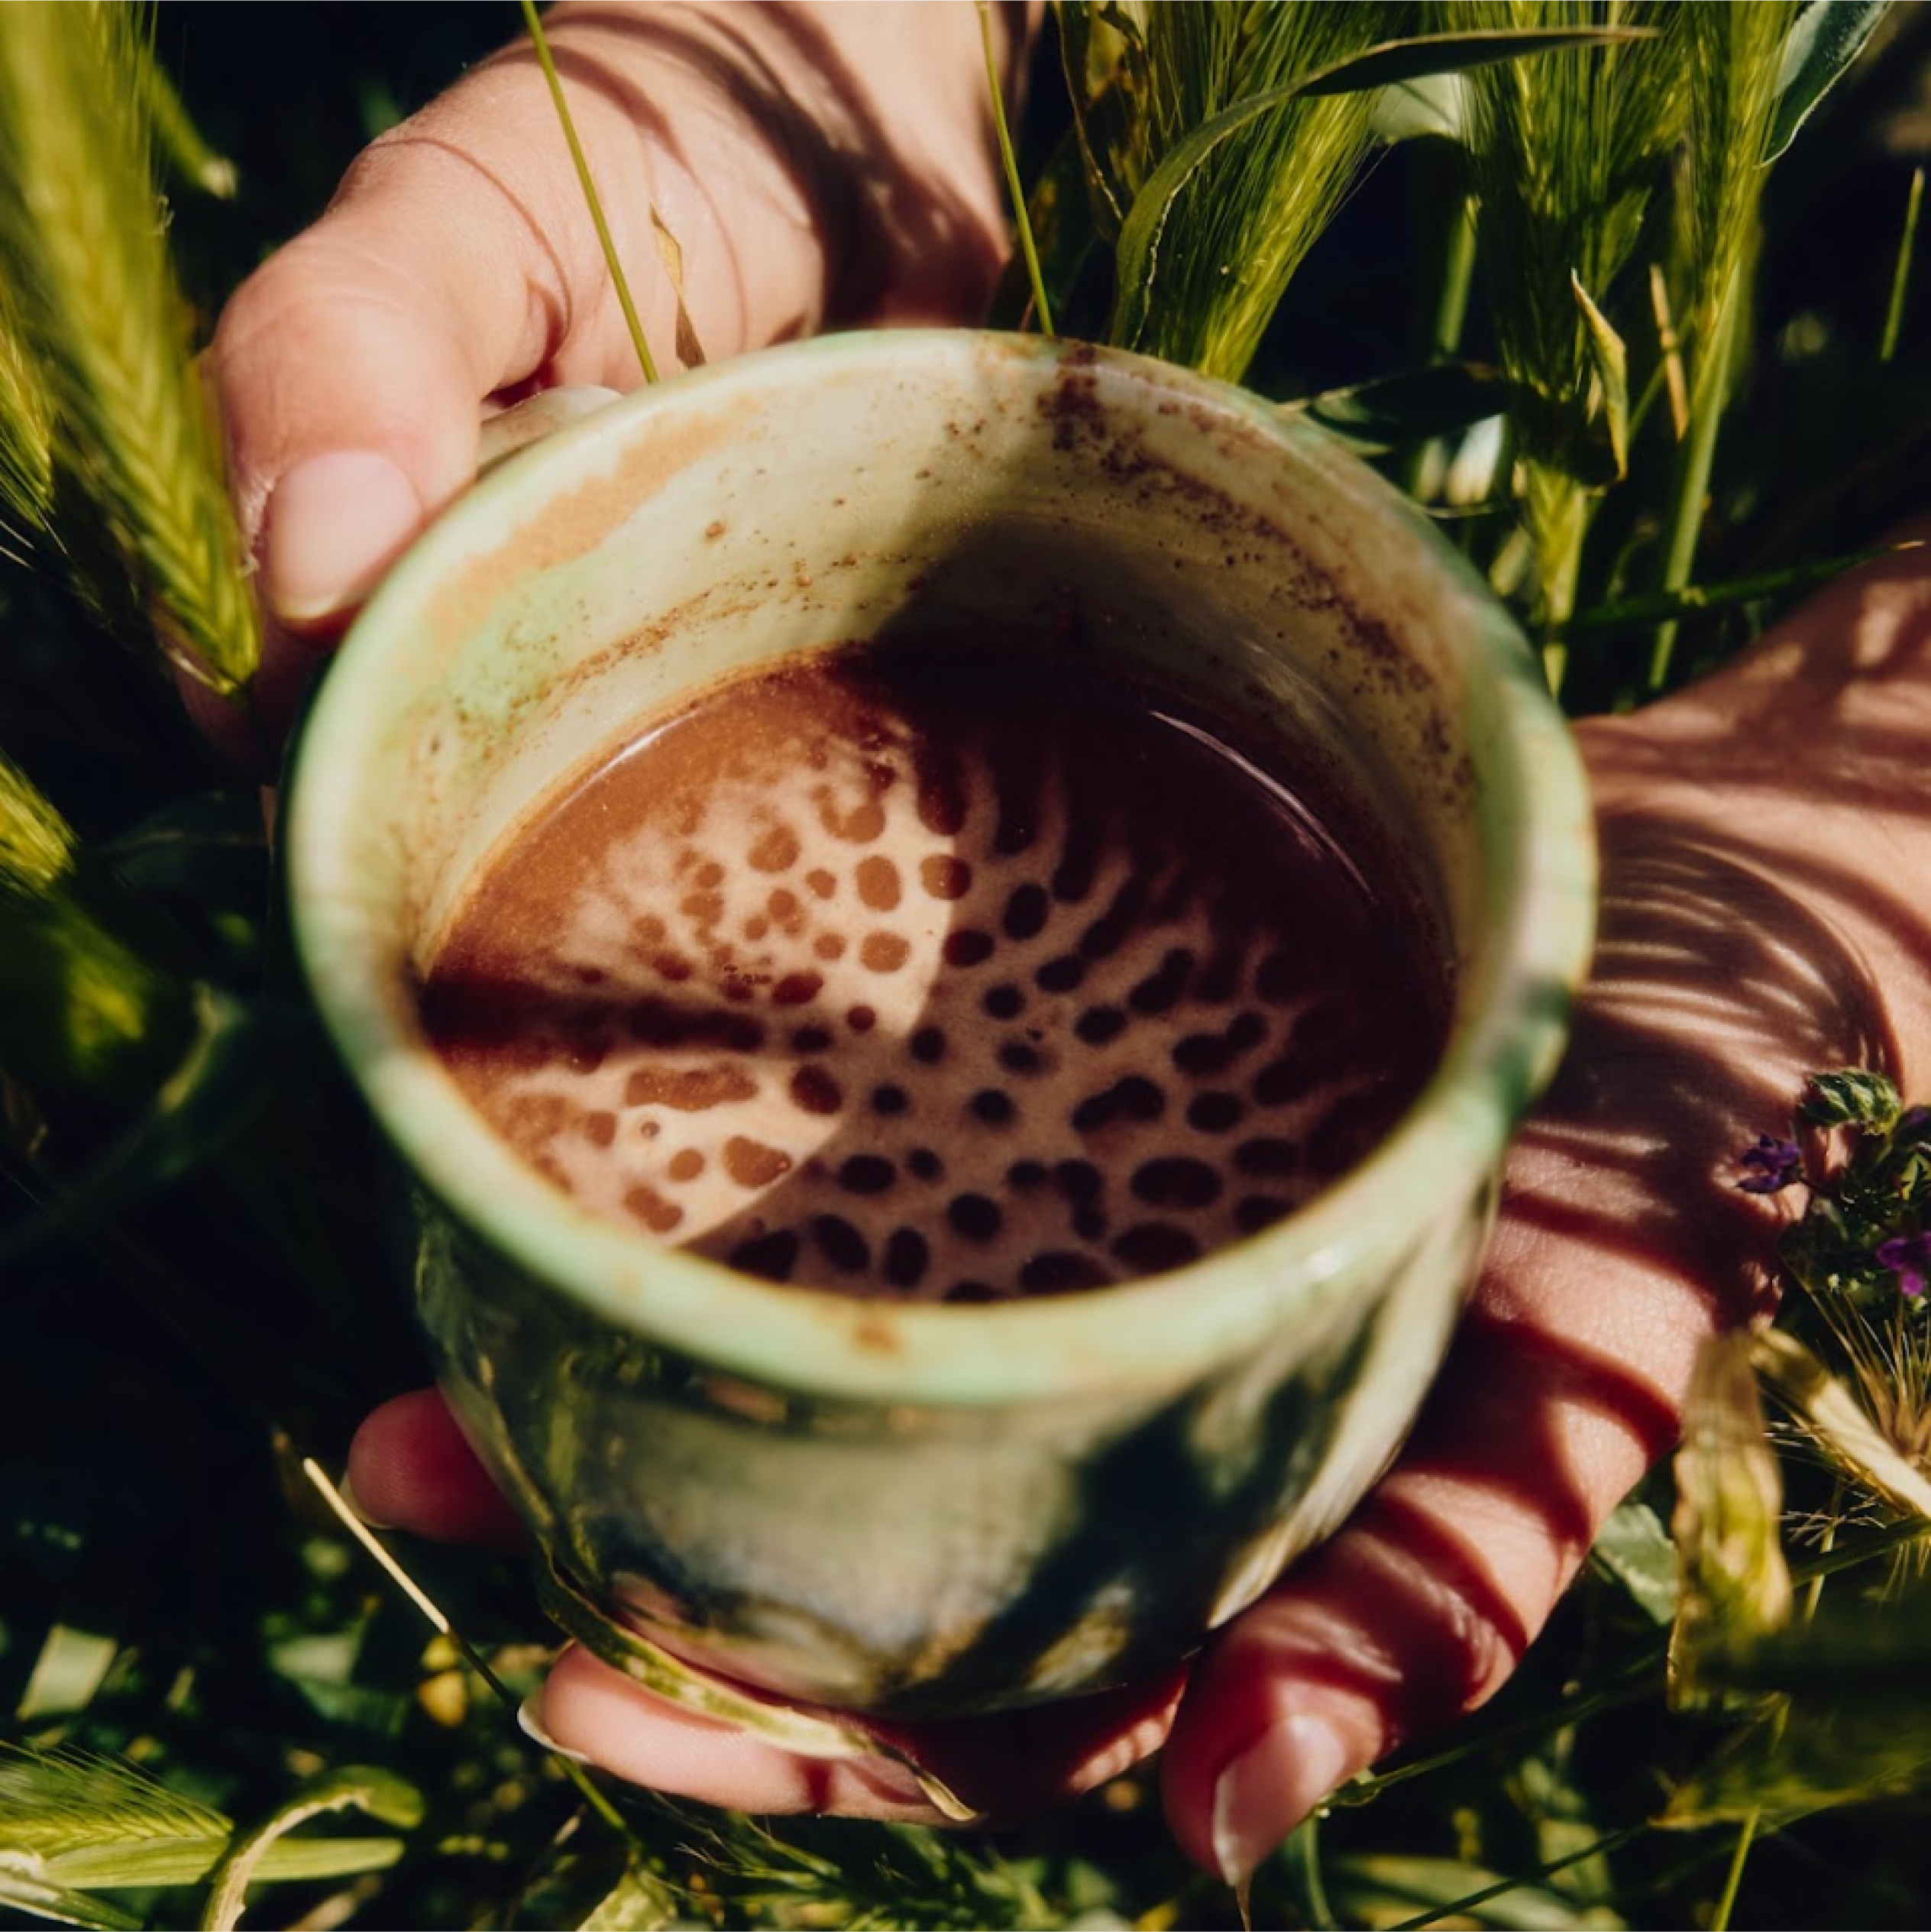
(1774, 1165)
(1908, 1257)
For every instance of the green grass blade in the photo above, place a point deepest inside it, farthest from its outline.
(1695, 459)
(1641, 612)
(1015, 187)
(1829, 35)
(360, 1787)
(1230, 200)
(619, 280)
(1423, 57)
(1389, 63)
(1567, 155)
(806, 1734)
(639, 1901)
(1376, 1888)
(1734, 54)
(76, 1823)
(188, 1862)
(1725, 1905)
(1634, 1549)
(1900, 274)
(1140, 264)
(1060, 218)
(83, 249)
(1388, 412)
(23, 1890)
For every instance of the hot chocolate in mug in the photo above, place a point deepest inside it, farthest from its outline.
(951, 1486)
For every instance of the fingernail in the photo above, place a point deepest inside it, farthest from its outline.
(1265, 1792)
(529, 1716)
(334, 524)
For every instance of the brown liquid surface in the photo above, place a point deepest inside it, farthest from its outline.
(941, 980)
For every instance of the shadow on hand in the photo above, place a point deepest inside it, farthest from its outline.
(1762, 910)
(895, 233)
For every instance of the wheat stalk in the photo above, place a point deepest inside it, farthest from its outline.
(1245, 218)
(63, 1800)
(36, 844)
(1735, 56)
(26, 436)
(101, 325)
(1565, 155)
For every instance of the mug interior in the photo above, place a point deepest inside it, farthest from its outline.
(943, 487)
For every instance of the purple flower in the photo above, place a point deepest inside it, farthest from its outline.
(1908, 1257)
(1774, 1165)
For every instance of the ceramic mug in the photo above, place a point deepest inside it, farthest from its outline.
(910, 1508)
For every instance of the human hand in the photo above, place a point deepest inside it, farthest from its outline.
(1756, 832)
(1761, 833)
(817, 165)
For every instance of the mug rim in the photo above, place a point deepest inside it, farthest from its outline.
(1154, 1330)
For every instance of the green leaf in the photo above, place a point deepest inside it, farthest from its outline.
(209, 846)
(1410, 407)
(115, 1868)
(22, 1889)
(640, 1901)
(1386, 65)
(71, 1667)
(1636, 1548)
(1854, 1097)
(1829, 35)
(1642, 613)
(363, 1787)
(1416, 110)
(1610, 361)
(1424, 56)
(1381, 1888)
(228, 1073)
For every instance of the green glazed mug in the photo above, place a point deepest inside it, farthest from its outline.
(928, 1509)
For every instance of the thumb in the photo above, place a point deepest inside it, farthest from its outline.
(348, 372)
(350, 395)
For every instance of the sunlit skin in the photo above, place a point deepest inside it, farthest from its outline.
(1765, 836)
